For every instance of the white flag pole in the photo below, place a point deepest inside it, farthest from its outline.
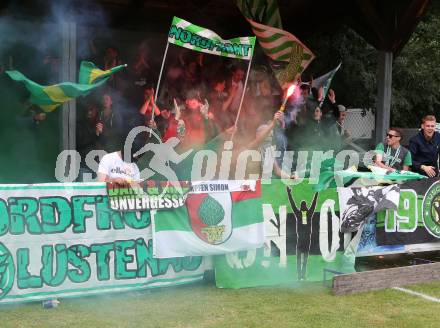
(242, 96)
(158, 82)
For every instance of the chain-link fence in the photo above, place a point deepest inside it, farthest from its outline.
(359, 123)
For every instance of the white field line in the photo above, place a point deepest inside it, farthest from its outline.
(424, 296)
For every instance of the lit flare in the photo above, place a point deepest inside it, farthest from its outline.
(290, 92)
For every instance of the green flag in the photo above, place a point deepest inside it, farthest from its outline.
(190, 36)
(325, 80)
(279, 45)
(261, 11)
(282, 46)
(90, 74)
(400, 176)
(328, 174)
(51, 96)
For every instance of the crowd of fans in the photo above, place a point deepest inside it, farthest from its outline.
(199, 103)
(199, 100)
(204, 100)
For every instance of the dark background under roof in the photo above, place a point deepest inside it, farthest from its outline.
(385, 24)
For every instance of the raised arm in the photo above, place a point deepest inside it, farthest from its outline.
(144, 107)
(291, 201)
(155, 108)
(313, 206)
(231, 95)
(261, 135)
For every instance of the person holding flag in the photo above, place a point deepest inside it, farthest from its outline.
(235, 86)
(332, 120)
(220, 101)
(197, 38)
(266, 141)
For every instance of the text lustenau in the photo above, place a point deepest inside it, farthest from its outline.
(64, 240)
(185, 34)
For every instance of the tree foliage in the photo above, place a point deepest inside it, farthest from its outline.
(416, 73)
(416, 70)
(355, 83)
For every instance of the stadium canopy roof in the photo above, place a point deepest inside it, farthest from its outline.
(385, 24)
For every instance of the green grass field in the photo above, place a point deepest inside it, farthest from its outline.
(204, 305)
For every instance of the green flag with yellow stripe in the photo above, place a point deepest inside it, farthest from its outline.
(50, 97)
(89, 73)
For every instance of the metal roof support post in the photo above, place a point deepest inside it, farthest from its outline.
(68, 73)
(384, 79)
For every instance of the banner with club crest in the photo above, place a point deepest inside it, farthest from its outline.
(219, 217)
(416, 221)
(64, 240)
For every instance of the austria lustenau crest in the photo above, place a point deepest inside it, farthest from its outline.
(219, 217)
(210, 216)
(210, 207)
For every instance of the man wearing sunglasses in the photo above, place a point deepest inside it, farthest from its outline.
(424, 148)
(393, 156)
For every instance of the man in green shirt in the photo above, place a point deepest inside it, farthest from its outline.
(393, 156)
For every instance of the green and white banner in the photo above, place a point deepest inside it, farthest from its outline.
(185, 34)
(302, 240)
(63, 240)
(219, 217)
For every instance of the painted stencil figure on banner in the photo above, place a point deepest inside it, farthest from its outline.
(302, 238)
(357, 204)
(303, 222)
